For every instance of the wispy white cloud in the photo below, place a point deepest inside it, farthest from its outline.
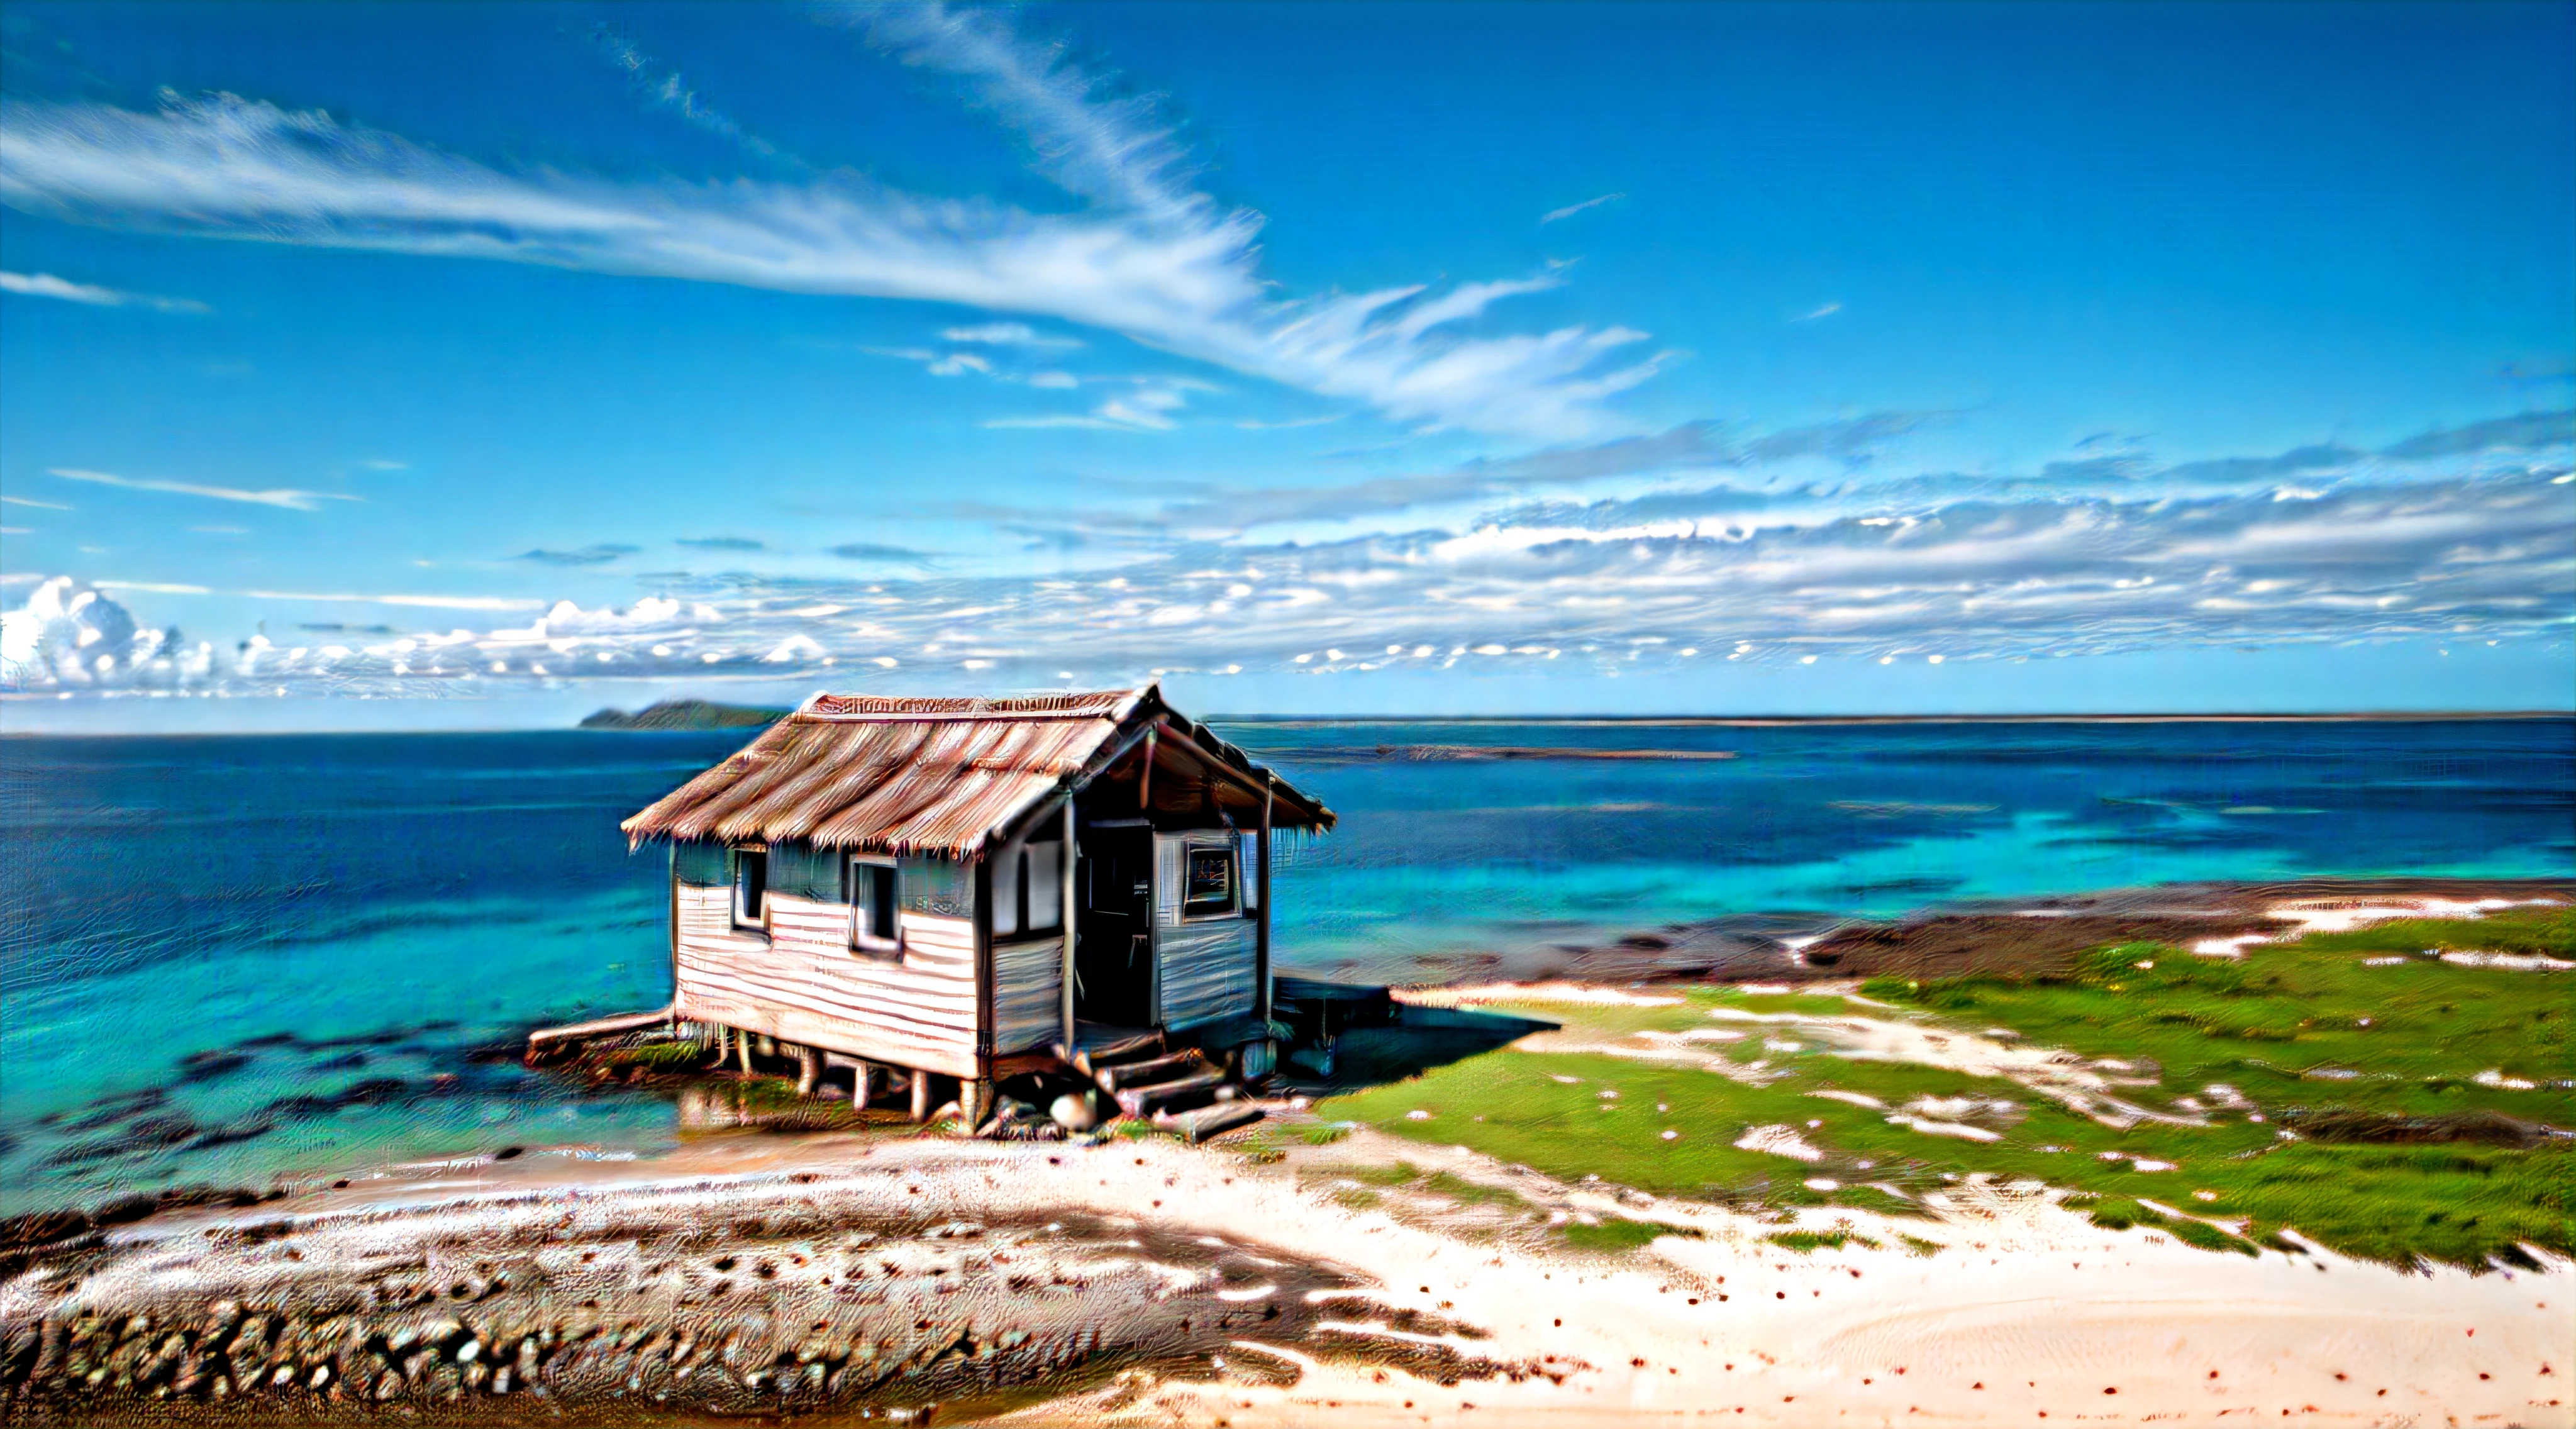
(31, 501)
(286, 497)
(423, 602)
(662, 87)
(1148, 406)
(1570, 210)
(1821, 310)
(1480, 576)
(1151, 258)
(46, 285)
(1007, 335)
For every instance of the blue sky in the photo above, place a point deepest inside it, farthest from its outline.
(448, 364)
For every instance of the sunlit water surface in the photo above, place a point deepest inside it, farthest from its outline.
(224, 959)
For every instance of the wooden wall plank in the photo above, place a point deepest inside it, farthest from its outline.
(1028, 979)
(1205, 966)
(803, 982)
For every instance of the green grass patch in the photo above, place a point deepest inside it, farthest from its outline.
(1919, 1246)
(1619, 1236)
(1804, 1241)
(2412, 1139)
(1471, 1193)
(2119, 1213)
(1402, 1173)
(659, 1058)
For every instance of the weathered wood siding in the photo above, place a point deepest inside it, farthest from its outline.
(801, 981)
(1028, 988)
(1206, 965)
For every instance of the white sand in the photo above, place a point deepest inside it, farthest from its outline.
(2025, 1310)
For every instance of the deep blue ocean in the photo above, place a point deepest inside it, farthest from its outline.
(227, 959)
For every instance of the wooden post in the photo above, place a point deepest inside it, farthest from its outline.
(671, 923)
(809, 1070)
(1072, 850)
(742, 1044)
(1261, 935)
(974, 1098)
(920, 1095)
(984, 989)
(860, 1076)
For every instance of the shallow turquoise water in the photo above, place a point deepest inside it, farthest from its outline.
(225, 959)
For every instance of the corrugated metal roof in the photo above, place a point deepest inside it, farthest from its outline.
(878, 775)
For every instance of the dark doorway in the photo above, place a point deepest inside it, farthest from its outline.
(1113, 953)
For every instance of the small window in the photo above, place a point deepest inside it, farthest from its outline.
(1043, 872)
(1207, 885)
(750, 887)
(1010, 889)
(1028, 889)
(869, 888)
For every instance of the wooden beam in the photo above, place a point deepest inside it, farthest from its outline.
(1261, 935)
(1213, 762)
(605, 1026)
(983, 884)
(1145, 786)
(1072, 851)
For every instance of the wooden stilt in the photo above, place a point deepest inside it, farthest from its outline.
(742, 1044)
(975, 1099)
(920, 1096)
(809, 1069)
(862, 1085)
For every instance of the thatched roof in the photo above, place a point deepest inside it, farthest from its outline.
(953, 776)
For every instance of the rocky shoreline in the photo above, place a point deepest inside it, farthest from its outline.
(2000, 936)
(897, 1293)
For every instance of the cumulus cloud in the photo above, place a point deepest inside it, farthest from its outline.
(71, 635)
(1150, 257)
(46, 285)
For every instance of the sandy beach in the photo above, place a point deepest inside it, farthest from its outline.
(837, 1278)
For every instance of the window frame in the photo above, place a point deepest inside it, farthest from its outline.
(754, 922)
(864, 939)
(1191, 910)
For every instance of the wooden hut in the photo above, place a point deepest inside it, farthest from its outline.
(974, 888)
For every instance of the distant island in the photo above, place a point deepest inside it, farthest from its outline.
(685, 714)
